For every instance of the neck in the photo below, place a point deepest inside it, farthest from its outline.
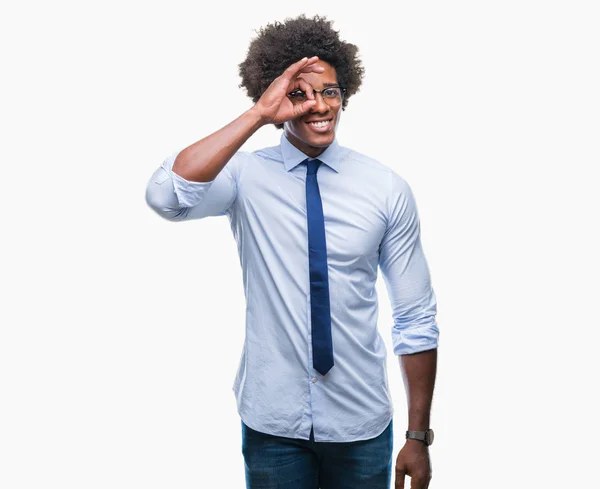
(308, 150)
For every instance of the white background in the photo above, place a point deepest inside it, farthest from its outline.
(108, 373)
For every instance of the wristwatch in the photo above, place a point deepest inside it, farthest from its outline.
(424, 436)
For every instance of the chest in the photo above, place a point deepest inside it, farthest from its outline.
(272, 203)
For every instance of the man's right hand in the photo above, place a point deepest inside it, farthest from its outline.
(204, 160)
(274, 106)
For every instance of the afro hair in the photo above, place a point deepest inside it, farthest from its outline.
(280, 44)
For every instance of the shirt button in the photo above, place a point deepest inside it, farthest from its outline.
(314, 379)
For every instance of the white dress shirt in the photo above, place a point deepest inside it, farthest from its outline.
(371, 220)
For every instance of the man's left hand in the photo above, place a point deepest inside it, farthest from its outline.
(413, 460)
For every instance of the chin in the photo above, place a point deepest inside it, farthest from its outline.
(320, 141)
(305, 136)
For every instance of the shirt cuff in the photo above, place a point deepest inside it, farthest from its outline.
(415, 339)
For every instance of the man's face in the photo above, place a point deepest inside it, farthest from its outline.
(310, 138)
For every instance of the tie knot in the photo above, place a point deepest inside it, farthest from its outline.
(312, 166)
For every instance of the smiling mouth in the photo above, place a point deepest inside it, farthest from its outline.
(321, 126)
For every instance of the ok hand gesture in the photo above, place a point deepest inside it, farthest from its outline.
(274, 106)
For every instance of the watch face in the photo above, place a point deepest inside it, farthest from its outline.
(429, 437)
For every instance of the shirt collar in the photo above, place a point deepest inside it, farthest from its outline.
(292, 156)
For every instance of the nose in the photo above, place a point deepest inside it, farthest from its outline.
(320, 107)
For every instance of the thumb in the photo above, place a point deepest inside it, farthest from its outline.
(304, 107)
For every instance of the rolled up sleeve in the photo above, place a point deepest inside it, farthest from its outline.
(176, 199)
(406, 274)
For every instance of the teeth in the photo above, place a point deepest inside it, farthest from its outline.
(320, 124)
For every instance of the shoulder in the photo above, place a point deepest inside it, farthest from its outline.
(269, 153)
(388, 177)
(241, 159)
(363, 161)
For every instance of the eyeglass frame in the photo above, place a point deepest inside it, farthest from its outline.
(321, 92)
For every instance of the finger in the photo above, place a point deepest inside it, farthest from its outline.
(313, 68)
(305, 87)
(293, 69)
(428, 482)
(418, 482)
(400, 475)
(304, 107)
(312, 60)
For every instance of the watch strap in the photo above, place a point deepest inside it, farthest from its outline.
(424, 436)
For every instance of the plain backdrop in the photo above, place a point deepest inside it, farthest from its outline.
(121, 332)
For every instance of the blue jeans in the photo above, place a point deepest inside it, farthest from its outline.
(277, 462)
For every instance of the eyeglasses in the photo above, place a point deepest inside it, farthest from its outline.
(332, 96)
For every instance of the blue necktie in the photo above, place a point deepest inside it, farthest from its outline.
(319, 282)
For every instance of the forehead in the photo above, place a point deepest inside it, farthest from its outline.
(320, 80)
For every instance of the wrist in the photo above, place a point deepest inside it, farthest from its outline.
(425, 437)
(416, 444)
(257, 117)
(419, 418)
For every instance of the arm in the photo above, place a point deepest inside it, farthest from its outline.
(204, 160)
(201, 180)
(415, 332)
(176, 199)
(418, 373)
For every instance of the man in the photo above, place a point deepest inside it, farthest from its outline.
(313, 221)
